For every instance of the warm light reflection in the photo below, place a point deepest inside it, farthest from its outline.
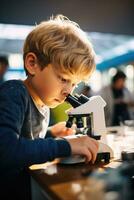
(51, 170)
(76, 187)
(43, 165)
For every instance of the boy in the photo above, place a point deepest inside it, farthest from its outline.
(57, 56)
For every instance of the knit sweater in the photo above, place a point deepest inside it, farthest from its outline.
(21, 123)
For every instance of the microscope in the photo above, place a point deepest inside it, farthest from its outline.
(88, 115)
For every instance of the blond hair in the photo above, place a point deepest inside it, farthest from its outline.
(62, 43)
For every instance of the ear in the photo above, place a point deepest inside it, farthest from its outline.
(31, 63)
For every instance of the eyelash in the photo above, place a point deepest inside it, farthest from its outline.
(62, 79)
(65, 81)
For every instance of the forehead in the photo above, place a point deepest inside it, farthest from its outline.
(120, 80)
(69, 76)
(66, 74)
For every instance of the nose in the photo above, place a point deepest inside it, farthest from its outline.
(67, 90)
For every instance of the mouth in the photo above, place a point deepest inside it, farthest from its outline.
(59, 101)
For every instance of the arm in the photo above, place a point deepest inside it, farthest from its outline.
(18, 151)
(129, 98)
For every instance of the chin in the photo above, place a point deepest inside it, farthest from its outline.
(52, 104)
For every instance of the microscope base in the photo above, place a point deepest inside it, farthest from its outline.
(104, 156)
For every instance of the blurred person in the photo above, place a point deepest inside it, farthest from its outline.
(3, 67)
(119, 100)
(57, 56)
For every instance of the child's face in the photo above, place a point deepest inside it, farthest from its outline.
(51, 85)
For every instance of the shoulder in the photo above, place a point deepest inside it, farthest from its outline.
(127, 91)
(13, 89)
(13, 85)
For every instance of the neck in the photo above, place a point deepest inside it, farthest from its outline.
(33, 94)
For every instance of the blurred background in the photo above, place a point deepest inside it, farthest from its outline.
(108, 24)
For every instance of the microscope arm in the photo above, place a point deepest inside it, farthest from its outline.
(94, 106)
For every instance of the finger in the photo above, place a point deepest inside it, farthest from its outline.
(88, 156)
(93, 149)
(69, 131)
(95, 142)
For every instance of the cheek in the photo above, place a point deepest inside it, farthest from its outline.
(46, 85)
(49, 89)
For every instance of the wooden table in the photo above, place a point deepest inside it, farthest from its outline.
(63, 182)
(54, 181)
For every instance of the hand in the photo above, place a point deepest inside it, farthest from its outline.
(84, 146)
(60, 130)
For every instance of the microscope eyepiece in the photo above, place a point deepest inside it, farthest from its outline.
(73, 101)
(82, 98)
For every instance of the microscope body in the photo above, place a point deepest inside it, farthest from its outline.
(92, 113)
(88, 114)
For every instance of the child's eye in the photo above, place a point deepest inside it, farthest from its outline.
(63, 80)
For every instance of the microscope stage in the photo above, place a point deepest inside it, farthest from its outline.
(72, 160)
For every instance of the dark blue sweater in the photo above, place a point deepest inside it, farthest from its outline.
(19, 121)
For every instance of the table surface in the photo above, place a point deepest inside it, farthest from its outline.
(67, 182)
